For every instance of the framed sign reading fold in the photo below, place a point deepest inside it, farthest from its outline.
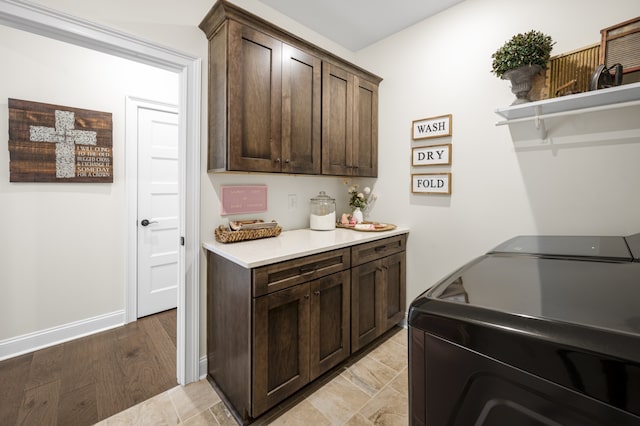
(433, 127)
(432, 155)
(431, 183)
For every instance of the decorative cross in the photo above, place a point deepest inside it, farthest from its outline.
(65, 138)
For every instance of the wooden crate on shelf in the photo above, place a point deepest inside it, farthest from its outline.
(566, 73)
(571, 72)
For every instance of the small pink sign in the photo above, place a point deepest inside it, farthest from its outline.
(238, 199)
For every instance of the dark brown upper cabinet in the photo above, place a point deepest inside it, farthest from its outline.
(301, 111)
(349, 123)
(274, 108)
(255, 100)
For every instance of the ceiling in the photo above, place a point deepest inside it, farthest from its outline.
(356, 24)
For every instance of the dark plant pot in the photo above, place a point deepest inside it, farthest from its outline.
(521, 81)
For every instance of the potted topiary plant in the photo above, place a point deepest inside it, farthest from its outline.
(521, 58)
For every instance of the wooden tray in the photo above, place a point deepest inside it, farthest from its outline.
(379, 227)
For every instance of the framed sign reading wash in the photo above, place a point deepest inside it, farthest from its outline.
(52, 143)
(434, 127)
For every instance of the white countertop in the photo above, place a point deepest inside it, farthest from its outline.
(293, 244)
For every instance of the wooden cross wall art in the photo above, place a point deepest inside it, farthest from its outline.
(52, 143)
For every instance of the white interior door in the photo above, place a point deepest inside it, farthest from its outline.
(158, 207)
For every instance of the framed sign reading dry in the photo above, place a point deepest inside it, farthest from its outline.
(431, 183)
(52, 143)
(434, 127)
(433, 155)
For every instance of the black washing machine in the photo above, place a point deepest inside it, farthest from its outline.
(542, 330)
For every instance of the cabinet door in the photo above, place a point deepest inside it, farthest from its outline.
(255, 96)
(329, 332)
(378, 298)
(394, 279)
(365, 129)
(367, 294)
(281, 346)
(337, 120)
(301, 114)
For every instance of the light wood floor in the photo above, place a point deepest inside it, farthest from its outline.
(369, 390)
(89, 379)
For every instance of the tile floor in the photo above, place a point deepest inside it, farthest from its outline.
(370, 390)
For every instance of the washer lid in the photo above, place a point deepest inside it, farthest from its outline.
(605, 248)
(600, 294)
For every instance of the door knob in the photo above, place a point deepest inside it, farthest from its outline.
(147, 222)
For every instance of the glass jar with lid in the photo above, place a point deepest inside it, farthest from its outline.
(323, 213)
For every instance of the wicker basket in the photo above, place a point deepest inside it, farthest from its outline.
(225, 235)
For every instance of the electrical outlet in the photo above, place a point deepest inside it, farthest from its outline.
(292, 202)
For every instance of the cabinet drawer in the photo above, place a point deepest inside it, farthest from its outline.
(270, 278)
(367, 252)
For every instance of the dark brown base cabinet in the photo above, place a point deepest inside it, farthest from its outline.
(300, 333)
(272, 330)
(378, 291)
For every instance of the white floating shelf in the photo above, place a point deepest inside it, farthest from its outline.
(597, 100)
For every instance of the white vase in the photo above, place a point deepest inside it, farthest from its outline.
(357, 215)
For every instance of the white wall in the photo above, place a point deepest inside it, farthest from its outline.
(584, 184)
(62, 251)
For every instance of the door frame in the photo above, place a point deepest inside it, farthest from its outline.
(132, 105)
(53, 24)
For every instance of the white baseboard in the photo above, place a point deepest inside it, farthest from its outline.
(203, 367)
(26, 343)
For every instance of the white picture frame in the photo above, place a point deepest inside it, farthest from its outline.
(432, 127)
(431, 155)
(431, 183)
